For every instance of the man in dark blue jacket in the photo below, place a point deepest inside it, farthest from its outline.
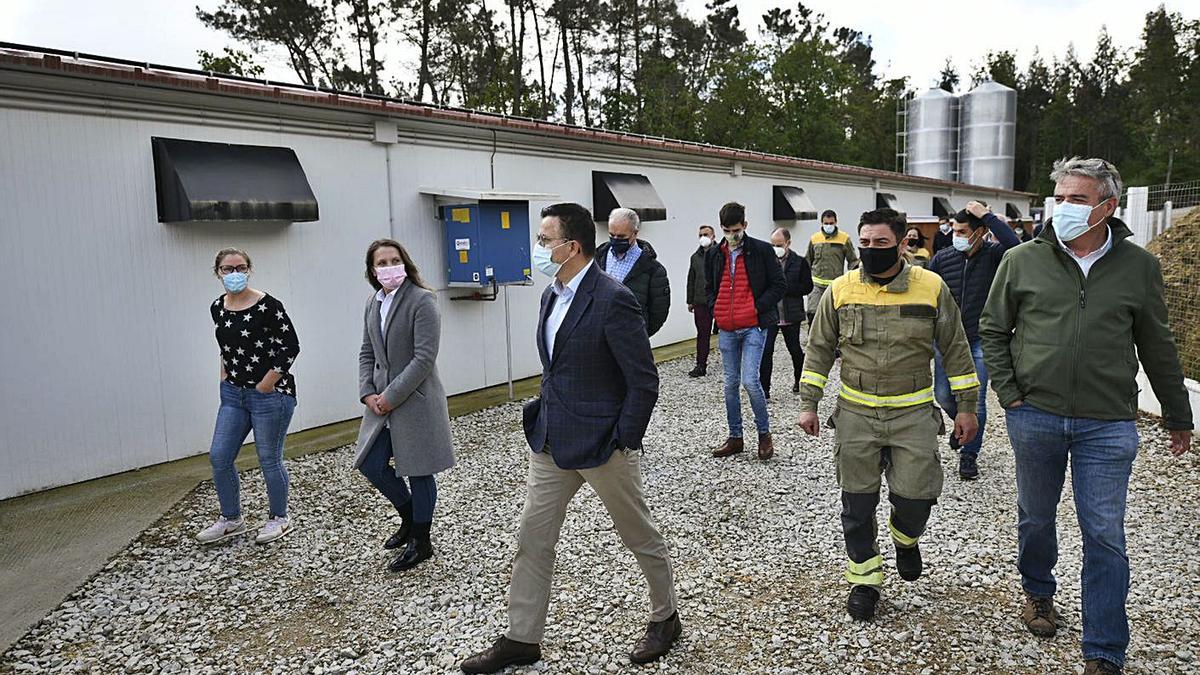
(599, 388)
(968, 267)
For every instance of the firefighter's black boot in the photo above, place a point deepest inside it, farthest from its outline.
(862, 603)
(908, 562)
(907, 523)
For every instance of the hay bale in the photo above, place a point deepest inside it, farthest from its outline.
(1178, 249)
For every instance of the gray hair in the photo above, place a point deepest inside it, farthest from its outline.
(629, 215)
(1100, 170)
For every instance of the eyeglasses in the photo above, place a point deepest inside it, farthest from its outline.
(542, 241)
(227, 269)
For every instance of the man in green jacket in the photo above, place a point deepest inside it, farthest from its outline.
(1059, 333)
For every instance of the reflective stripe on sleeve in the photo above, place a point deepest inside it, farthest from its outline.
(815, 379)
(964, 382)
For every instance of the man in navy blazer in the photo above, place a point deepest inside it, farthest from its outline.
(599, 387)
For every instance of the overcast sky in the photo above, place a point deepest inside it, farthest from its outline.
(911, 38)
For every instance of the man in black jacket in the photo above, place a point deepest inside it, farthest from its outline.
(945, 234)
(745, 286)
(697, 301)
(635, 264)
(1019, 229)
(968, 268)
(797, 276)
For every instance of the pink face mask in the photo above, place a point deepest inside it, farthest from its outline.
(391, 277)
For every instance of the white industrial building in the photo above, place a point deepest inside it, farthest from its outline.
(108, 360)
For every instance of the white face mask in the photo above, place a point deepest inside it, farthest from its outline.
(780, 251)
(945, 228)
(705, 241)
(829, 229)
(962, 243)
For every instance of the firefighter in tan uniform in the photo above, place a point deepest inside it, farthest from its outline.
(830, 253)
(885, 318)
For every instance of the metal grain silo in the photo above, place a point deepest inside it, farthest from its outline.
(988, 136)
(932, 135)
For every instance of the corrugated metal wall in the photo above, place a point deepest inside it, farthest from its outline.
(108, 361)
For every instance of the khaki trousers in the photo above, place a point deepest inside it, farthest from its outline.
(911, 463)
(550, 489)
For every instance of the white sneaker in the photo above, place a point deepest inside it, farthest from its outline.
(274, 528)
(224, 528)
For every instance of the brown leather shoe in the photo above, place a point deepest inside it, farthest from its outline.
(766, 446)
(1101, 667)
(657, 641)
(1039, 616)
(502, 654)
(732, 447)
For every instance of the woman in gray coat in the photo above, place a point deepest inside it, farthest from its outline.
(406, 426)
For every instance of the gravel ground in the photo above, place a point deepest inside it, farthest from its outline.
(757, 548)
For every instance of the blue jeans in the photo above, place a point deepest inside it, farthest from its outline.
(1101, 454)
(268, 415)
(741, 354)
(945, 397)
(377, 467)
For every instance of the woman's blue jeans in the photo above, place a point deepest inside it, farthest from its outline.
(268, 415)
(377, 467)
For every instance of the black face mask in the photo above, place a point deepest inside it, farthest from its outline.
(876, 261)
(619, 246)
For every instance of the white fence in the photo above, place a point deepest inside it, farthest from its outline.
(1150, 211)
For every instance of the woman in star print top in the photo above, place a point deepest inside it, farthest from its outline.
(255, 342)
(258, 393)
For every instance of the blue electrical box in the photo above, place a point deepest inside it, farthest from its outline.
(486, 242)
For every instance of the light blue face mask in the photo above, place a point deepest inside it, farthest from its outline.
(1071, 220)
(542, 261)
(235, 282)
(961, 243)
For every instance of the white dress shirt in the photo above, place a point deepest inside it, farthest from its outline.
(562, 303)
(1085, 262)
(385, 298)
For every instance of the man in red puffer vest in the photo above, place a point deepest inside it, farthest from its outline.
(745, 285)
